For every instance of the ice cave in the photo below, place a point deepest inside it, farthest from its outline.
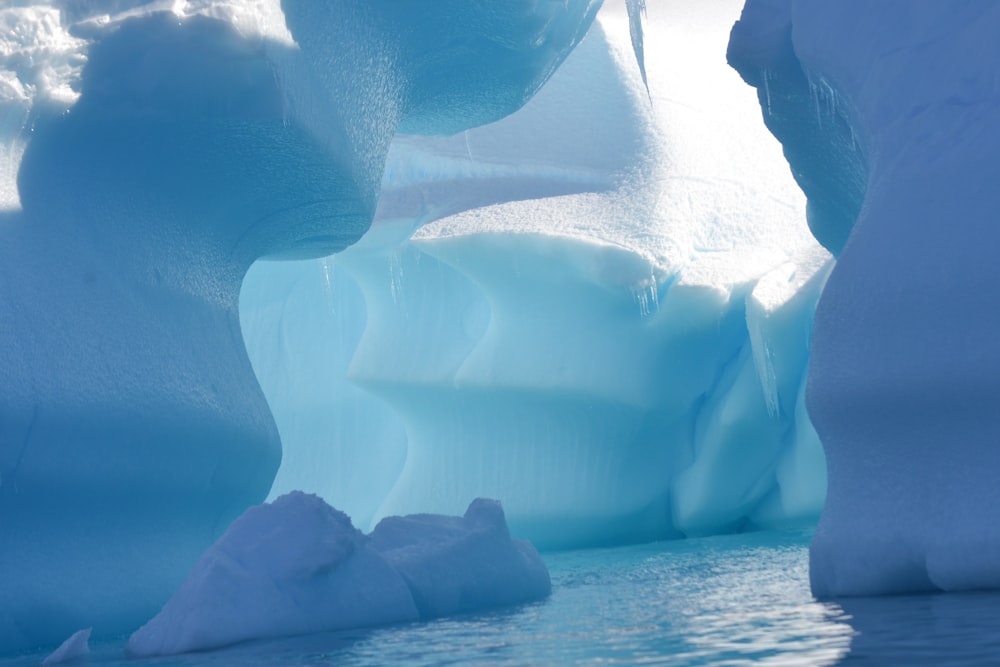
(499, 332)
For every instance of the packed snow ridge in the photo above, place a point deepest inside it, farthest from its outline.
(297, 566)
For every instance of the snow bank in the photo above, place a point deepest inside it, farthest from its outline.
(297, 566)
(888, 113)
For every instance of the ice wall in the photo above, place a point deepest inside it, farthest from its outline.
(191, 143)
(888, 113)
(596, 310)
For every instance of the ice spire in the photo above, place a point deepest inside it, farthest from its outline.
(636, 10)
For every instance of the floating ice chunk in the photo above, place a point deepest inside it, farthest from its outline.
(75, 647)
(456, 564)
(289, 567)
(296, 566)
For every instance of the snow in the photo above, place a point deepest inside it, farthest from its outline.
(888, 113)
(298, 566)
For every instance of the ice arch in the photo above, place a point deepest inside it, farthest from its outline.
(131, 427)
(602, 318)
(902, 145)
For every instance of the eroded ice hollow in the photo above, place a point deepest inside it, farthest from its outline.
(596, 310)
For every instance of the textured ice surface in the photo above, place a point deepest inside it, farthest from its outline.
(157, 156)
(457, 564)
(296, 566)
(293, 566)
(602, 318)
(889, 114)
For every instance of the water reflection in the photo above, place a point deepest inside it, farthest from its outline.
(943, 629)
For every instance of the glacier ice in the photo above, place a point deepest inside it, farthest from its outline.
(158, 154)
(888, 113)
(297, 566)
(596, 310)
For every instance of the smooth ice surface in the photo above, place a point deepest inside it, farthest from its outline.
(159, 150)
(889, 113)
(596, 310)
(297, 566)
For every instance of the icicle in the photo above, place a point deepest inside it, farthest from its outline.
(814, 94)
(468, 148)
(328, 284)
(646, 296)
(636, 10)
(767, 90)
(395, 278)
(831, 97)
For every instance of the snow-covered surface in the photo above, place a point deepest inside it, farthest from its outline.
(889, 113)
(157, 156)
(596, 310)
(297, 566)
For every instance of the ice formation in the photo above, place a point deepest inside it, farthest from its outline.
(74, 648)
(191, 143)
(596, 310)
(889, 115)
(296, 566)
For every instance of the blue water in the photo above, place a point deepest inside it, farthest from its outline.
(733, 600)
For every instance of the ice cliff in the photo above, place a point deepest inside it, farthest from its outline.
(889, 115)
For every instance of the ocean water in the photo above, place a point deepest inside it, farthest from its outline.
(731, 600)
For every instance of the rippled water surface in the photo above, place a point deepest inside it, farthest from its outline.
(735, 600)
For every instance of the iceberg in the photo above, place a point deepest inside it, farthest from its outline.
(888, 113)
(158, 155)
(248, 248)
